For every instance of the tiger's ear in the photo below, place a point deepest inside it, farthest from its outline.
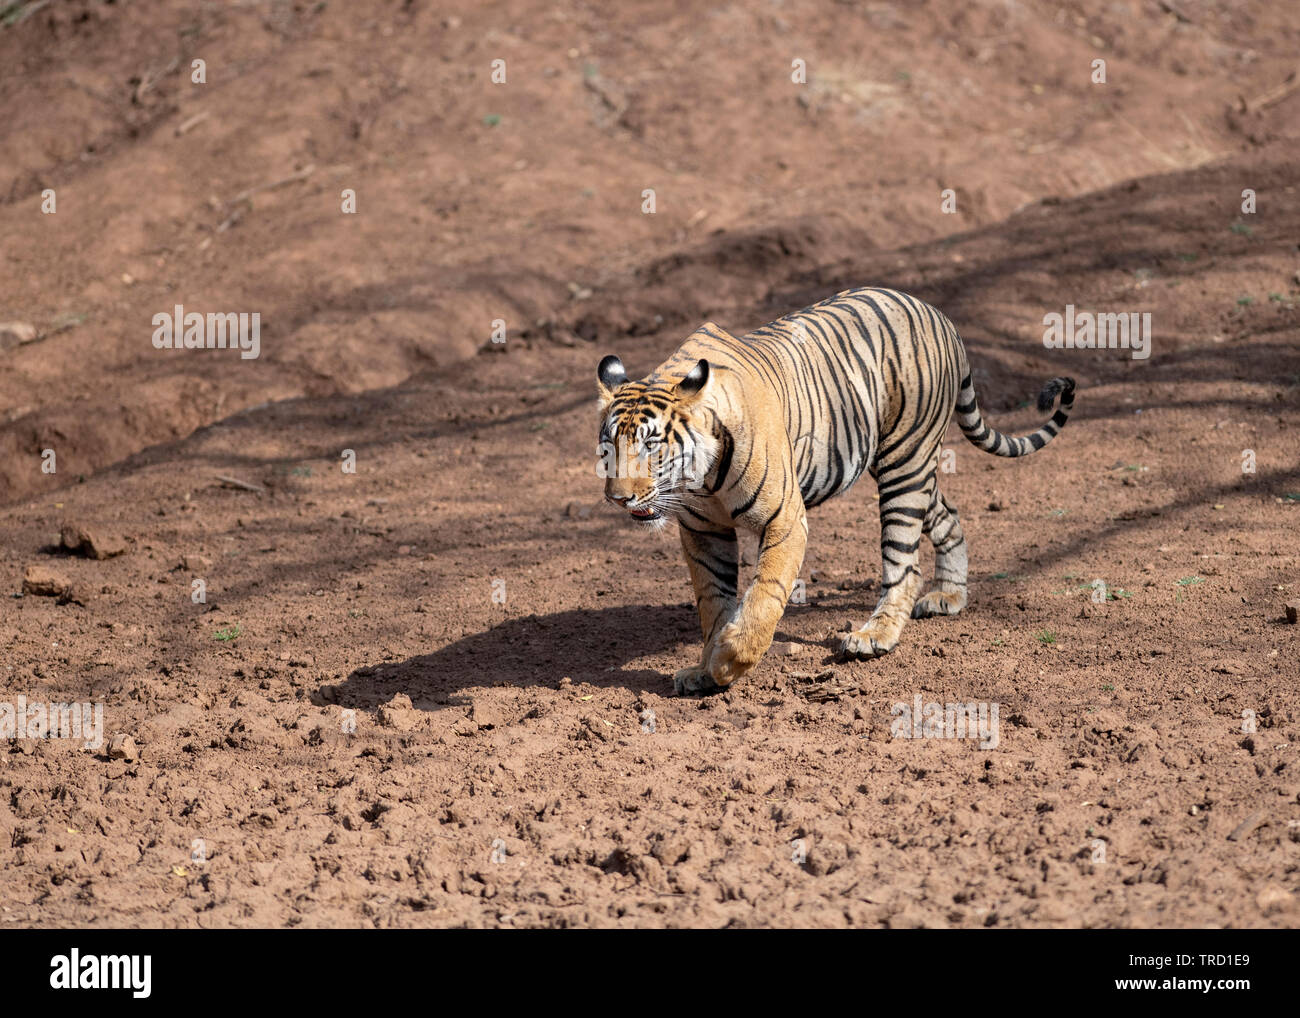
(609, 376)
(695, 381)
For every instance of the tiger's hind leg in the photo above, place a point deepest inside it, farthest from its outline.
(904, 504)
(948, 595)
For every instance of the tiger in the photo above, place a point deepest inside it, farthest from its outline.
(752, 431)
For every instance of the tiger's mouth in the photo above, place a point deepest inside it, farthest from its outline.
(645, 515)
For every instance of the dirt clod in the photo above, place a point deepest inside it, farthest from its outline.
(42, 581)
(92, 542)
(398, 713)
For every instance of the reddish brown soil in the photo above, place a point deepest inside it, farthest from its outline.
(486, 728)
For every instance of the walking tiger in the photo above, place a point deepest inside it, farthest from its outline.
(752, 431)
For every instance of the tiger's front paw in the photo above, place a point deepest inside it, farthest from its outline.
(735, 652)
(877, 637)
(693, 680)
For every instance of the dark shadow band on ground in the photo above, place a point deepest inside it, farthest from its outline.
(592, 646)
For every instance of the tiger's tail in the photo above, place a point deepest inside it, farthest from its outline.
(978, 433)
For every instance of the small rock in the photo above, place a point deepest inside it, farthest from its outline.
(92, 543)
(16, 334)
(122, 747)
(1292, 611)
(195, 563)
(997, 505)
(41, 581)
(787, 649)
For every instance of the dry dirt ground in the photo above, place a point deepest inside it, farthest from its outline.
(493, 633)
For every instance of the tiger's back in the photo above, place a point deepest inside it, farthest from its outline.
(878, 371)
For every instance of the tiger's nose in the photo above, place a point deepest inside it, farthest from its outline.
(619, 500)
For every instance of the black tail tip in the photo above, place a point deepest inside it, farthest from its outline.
(1056, 387)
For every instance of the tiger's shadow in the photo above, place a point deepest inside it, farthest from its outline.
(592, 646)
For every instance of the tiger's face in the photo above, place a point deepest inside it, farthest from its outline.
(656, 443)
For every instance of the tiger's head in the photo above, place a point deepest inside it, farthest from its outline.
(656, 439)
